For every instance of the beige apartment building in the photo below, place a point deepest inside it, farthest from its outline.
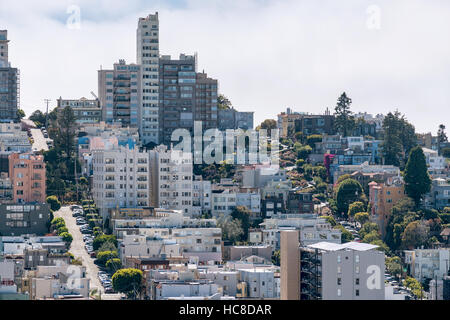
(290, 265)
(27, 174)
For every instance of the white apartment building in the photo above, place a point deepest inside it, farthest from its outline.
(258, 176)
(7, 284)
(57, 282)
(148, 58)
(196, 237)
(365, 168)
(201, 196)
(278, 189)
(260, 283)
(349, 271)
(203, 243)
(121, 178)
(167, 289)
(311, 230)
(428, 263)
(16, 246)
(223, 201)
(143, 246)
(435, 163)
(251, 200)
(356, 143)
(174, 173)
(226, 279)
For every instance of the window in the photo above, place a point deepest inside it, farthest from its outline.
(339, 292)
(357, 281)
(357, 258)
(339, 270)
(339, 259)
(339, 281)
(357, 292)
(357, 269)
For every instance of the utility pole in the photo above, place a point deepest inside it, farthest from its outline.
(75, 174)
(46, 113)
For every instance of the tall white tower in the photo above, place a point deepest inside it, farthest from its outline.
(148, 58)
(4, 48)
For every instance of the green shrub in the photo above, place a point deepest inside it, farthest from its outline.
(104, 256)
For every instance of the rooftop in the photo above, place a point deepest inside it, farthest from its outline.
(329, 246)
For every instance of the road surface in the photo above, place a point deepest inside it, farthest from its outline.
(78, 250)
(40, 143)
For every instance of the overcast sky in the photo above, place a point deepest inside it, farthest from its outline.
(266, 54)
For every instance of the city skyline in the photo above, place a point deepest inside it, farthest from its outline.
(346, 50)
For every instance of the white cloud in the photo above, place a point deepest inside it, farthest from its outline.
(267, 55)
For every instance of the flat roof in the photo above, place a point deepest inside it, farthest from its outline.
(329, 246)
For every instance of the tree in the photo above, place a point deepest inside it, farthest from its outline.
(446, 152)
(223, 103)
(381, 245)
(394, 265)
(128, 281)
(442, 136)
(20, 114)
(330, 220)
(414, 285)
(417, 179)
(231, 228)
(104, 256)
(312, 139)
(107, 246)
(61, 230)
(65, 139)
(346, 235)
(268, 125)
(371, 237)
(100, 240)
(415, 235)
(113, 264)
(58, 220)
(67, 238)
(356, 207)
(349, 191)
(362, 217)
(276, 257)
(342, 178)
(303, 152)
(399, 138)
(54, 203)
(391, 146)
(344, 120)
(367, 228)
(242, 214)
(38, 118)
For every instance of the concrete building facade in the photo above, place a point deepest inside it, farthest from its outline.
(147, 41)
(119, 92)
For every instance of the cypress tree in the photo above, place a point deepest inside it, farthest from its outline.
(417, 179)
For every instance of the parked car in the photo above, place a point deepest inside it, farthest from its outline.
(109, 290)
(107, 283)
